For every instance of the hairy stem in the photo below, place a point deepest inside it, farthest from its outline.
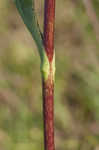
(48, 112)
(48, 83)
(45, 47)
(49, 19)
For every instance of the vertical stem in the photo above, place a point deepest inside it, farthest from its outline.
(48, 111)
(48, 84)
(49, 19)
(46, 50)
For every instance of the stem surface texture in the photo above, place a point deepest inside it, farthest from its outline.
(48, 84)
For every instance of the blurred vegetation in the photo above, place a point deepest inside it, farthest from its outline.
(77, 79)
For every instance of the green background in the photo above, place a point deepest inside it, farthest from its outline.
(76, 86)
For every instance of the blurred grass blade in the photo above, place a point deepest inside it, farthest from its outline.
(26, 9)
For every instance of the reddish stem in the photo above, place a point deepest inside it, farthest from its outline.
(48, 112)
(49, 19)
(48, 85)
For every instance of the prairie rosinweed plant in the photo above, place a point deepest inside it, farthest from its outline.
(45, 46)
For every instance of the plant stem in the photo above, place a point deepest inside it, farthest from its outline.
(48, 112)
(45, 47)
(49, 19)
(48, 84)
(46, 50)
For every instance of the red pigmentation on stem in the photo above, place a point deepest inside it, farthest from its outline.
(48, 85)
(48, 112)
(49, 19)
